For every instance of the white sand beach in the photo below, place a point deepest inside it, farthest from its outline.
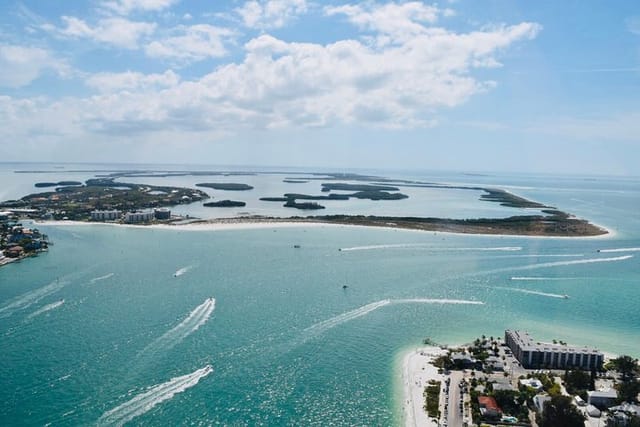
(417, 371)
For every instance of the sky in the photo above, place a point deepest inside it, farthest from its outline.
(483, 85)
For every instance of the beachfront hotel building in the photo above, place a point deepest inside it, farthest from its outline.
(105, 215)
(533, 354)
(138, 216)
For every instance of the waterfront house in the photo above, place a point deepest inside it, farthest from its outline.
(14, 251)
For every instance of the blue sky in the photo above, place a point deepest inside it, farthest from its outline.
(545, 86)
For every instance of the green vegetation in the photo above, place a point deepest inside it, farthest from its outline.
(76, 203)
(225, 204)
(356, 187)
(378, 195)
(228, 186)
(629, 370)
(304, 205)
(56, 184)
(432, 399)
(510, 200)
(308, 197)
(560, 412)
(578, 382)
(295, 181)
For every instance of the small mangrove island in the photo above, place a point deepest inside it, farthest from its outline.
(225, 186)
(225, 204)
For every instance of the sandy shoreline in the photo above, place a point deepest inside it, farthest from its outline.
(262, 223)
(416, 373)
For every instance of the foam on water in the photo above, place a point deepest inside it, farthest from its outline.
(527, 291)
(105, 277)
(182, 271)
(560, 264)
(157, 394)
(196, 318)
(538, 278)
(428, 246)
(620, 250)
(46, 308)
(27, 299)
(325, 325)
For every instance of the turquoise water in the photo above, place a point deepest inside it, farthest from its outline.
(287, 345)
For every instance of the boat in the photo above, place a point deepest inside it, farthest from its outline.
(565, 296)
(344, 286)
(296, 246)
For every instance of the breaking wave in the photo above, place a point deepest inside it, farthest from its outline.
(46, 308)
(157, 394)
(196, 318)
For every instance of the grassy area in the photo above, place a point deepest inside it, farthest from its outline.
(432, 399)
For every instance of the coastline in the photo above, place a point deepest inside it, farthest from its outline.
(247, 223)
(416, 373)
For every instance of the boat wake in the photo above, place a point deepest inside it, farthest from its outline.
(105, 277)
(619, 250)
(46, 308)
(26, 300)
(559, 264)
(429, 247)
(189, 325)
(157, 394)
(527, 291)
(182, 271)
(325, 325)
(539, 278)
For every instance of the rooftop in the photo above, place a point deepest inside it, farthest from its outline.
(527, 343)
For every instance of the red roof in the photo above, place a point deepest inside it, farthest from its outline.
(489, 403)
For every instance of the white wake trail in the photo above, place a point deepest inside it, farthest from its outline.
(46, 308)
(539, 278)
(527, 291)
(429, 247)
(182, 271)
(345, 317)
(559, 264)
(325, 325)
(619, 250)
(189, 325)
(436, 301)
(105, 277)
(144, 402)
(28, 299)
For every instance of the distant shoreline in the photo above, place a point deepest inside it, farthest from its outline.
(244, 223)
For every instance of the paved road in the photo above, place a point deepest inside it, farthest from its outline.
(454, 413)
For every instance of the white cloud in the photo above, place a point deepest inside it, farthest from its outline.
(391, 21)
(265, 14)
(20, 65)
(124, 7)
(119, 32)
(132, 81)
(191, 43)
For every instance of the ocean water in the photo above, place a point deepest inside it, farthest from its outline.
(147, 326)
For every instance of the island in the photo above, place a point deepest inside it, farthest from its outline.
(225, 204)
(228, 186)
(102, 194)
(56, 184)
(303, 205)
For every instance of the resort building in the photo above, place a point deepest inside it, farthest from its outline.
(139, 216)
(533, 354)
(112, 215)
(162, 213)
